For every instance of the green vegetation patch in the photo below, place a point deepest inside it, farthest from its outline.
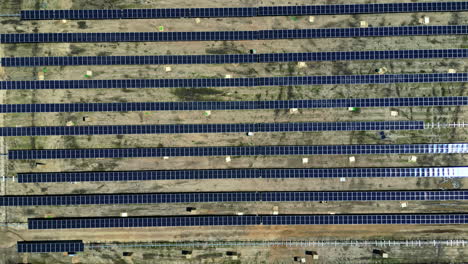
(196, 94)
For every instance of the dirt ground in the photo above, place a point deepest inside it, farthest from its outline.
(13, 218)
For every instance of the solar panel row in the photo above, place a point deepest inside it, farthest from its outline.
(449, 172)
(234, 35)
(234, 58)
(245, 11)
(362, 9)
(127, 60)
(236, 105)
(214, 197)
(363, 55)
(128, 37)
(362, 32)
(238, 151)
(139, 13)
(50, 246)
(237, 82)
(210, 128)
(382, 219)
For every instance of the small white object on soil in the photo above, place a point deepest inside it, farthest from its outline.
(424, 20)
(275, 210)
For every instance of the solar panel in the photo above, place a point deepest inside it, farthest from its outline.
(237, 151)
(128, 37)
(446, 172)
(215, 197)
(362, 32)
(234, 35)
(245, 11)
(361, 55)
(363, 196)
(50, 246)
(210, 128)
(127, 60)
(72, 14)
(362, 9)
(138, 13)
(141, 198)
(237, 82)
(231, 220)
(223, 12)
(233, 58)
(68, 223)
(145, 13)
(400, 219)
(236, 105)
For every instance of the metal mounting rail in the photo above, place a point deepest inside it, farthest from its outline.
(322, 243)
